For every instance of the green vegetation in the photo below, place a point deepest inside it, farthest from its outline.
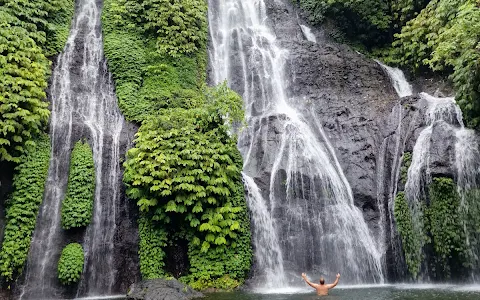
(23, 79)
(184, 171)
(46, 21)
(77, 207)
(428, 36)
(146, 78)
(445, 37)
(470, 215)
(152, 241)
(412, 239)
(228, 273)
(179, 26)
(406, 162)
(22, 210)
(29, 31)
(442, 231)
(445, 224)
(70, 265)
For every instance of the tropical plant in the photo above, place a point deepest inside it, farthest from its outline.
(22, 210)
(23, 79)
(180, 26)
(77, 207)
(445, 36)
(412, 240)
(70, 265)
(444, 223)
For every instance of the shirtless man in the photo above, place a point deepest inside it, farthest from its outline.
(322, 288)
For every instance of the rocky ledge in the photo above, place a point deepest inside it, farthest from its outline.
(162, 289)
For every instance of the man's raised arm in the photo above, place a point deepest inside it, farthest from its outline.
(304, 276)
(334, 284)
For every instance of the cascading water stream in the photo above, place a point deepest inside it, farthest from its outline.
(399, 82)
(83, 106)
(307, 32)
(306, 207)
(438, 110)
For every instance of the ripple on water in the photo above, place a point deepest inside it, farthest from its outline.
(366, 292)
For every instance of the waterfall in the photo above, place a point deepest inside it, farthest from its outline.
(399, 82)
(307, 32)
(83, 105)
(438, 110)
(304, 201)
(467, 165)
(269, 254)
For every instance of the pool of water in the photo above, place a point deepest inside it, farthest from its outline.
(384, 292)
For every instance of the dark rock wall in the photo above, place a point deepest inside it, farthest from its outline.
(6, 181)
(367, 124)
(350, 95)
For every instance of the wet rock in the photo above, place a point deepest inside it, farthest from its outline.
(162, 289)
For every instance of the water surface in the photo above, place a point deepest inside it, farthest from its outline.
(397, 292)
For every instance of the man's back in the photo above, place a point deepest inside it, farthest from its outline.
(322, 288)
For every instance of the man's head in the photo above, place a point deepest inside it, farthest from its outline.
(322, 280)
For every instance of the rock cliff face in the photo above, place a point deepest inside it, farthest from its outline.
(348, 93)
(367, 124)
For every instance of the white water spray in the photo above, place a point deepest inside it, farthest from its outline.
(309, 202)
(307, 32)
(399, 82)
(83, 105)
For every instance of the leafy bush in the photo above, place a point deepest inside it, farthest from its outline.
(70, 265)
(47, 21)
(23, 79)
(145, 79)
(180, 26)
(152, 241)
(223, 267)
(29, 30)
(445, 36)
(445, 224)
(22, 210)
(77, 207)
(407, 161)
(412, 241)
(184, 171)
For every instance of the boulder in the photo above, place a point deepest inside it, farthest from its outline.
(162, 289)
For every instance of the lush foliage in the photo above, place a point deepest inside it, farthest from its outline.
(442, 242)
(412, 240)
(147, 80)
(184, 171)
(46, 21)
(70, 265)
(29, 31)
(23, 79)
(153, 239)
(445, 36)
(179, 26)
(444, 223)
(77, 207)
(207, 271)
(370, 22)
(470, 216)
(407, 161)
(22, 210)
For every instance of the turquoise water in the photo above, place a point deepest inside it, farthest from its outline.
(396, 292)
(373, 292)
